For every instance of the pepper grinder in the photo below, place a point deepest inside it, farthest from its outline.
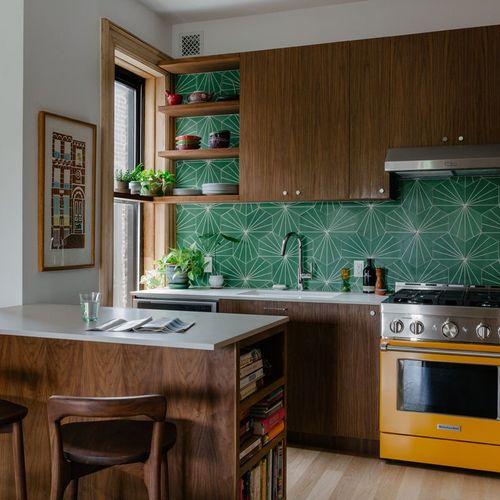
(379, 283)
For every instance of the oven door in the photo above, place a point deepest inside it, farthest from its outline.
(440, 391)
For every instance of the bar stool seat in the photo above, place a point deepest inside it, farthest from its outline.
(84, 447)
(11, 417)
(112, 442)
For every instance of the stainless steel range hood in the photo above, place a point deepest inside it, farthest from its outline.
(444, 161)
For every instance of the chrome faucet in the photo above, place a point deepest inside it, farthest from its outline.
(301, 275)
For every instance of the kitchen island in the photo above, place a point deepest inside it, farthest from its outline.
(45, 350)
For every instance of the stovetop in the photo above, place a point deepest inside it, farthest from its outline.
(445, 313)
(446, 295)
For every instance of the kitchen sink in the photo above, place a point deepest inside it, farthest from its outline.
(288, 294)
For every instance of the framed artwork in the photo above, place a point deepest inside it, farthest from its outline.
(66, 193)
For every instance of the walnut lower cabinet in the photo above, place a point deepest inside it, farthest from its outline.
(333, 372)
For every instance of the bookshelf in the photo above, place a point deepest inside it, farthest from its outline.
(262, 416)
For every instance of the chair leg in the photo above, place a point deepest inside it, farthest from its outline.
(19, 466)
(152, 479)
(59, 482)
(164, 478)
(73, 489)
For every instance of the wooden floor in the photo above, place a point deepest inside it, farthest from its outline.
(316, 475)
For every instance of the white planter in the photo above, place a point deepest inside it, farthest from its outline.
(216, 281)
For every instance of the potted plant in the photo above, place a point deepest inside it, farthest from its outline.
(151, 183)
(121, 181)
(216, 280)
(134, 179)
(167, 179)
(183, 266)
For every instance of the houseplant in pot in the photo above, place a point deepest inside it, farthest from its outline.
(183, 266)
(216, 280)
(134, 183)
(167, 180)
(151, 183)
(121, 181)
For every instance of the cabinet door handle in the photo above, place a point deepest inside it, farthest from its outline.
(460, 138)
(285, 193)
(444, 139)
(381, 190)
(372, 313)
(282, 309)
(297, 192)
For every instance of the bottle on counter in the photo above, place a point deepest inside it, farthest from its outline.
(369, 277)
(379, 284)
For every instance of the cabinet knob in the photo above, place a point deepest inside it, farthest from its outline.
(372, 313)
(444, 139)
(381, 190)
(460, 138)
(297, 192)
(285, 193)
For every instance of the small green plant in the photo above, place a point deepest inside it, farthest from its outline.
(133, 175)
(189, 260)
(216, 239)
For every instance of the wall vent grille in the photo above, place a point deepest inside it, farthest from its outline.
(191, 44)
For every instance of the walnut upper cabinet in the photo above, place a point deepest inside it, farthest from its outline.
(294, 128)
(369, 85)
(444, 88)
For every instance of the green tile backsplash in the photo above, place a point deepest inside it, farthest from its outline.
(439, 231)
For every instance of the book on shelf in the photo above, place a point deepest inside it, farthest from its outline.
(257, 412)
(251, 388)
(275, 431)
(249, 357)
(254, 376)
(268, 404)
(263, 426)
(250, 447)
(254, 366)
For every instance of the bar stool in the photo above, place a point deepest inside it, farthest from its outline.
(81, 448)
(11, 416)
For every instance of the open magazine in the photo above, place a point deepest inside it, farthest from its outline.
(145, 325)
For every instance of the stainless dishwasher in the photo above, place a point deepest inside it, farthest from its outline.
(175, 304)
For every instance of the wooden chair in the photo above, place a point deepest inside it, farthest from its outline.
(81, 448)
(11, 416)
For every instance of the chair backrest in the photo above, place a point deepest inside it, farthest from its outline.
(153, 406)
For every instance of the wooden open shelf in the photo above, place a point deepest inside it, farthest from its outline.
(246, 466)
(200, 154)
(220, 198)
(203, 64)
(202, 109)
(132, 197)
(246, 403)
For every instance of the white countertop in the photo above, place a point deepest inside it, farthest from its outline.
(211, 331)
(201, 293)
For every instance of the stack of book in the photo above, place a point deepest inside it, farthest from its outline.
(268, 416)
(265, 480)
(251, 372)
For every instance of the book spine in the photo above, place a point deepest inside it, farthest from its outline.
(251, 368)
(275, 431)
(264, 426)
(249, 357)
(251, 378)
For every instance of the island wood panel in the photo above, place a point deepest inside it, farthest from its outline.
(200, 387)
(333, 372)
(294, 127)
(369, 84)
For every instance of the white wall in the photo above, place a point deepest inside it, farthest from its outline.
(61, 75)
(364, 19)
(11, 153)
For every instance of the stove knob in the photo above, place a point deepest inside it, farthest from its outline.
(449, 329)
(483, 331)
(417, 327)
(396, 326)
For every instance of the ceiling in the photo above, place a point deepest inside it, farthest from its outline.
(182, 11)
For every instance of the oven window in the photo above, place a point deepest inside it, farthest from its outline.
(448, 388)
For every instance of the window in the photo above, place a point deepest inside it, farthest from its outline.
(128, 152)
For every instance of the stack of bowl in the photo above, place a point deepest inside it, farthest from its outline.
(187, 142)
(219, 139)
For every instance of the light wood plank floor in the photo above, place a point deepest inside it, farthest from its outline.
(318, 475)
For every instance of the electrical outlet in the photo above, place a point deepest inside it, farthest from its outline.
(358, 268)
(208, 260)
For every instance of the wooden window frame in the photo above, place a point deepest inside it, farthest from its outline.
(121, 48)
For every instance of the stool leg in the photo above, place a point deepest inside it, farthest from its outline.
(19, 466)
(152, 479)
(73, 489)
(164, 477)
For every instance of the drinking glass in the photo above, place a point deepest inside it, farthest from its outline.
(89, 304)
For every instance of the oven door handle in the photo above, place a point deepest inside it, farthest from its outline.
(433, 350)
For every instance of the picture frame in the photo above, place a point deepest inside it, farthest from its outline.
(66, 192)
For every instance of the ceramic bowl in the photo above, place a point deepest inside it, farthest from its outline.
(199, 96)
